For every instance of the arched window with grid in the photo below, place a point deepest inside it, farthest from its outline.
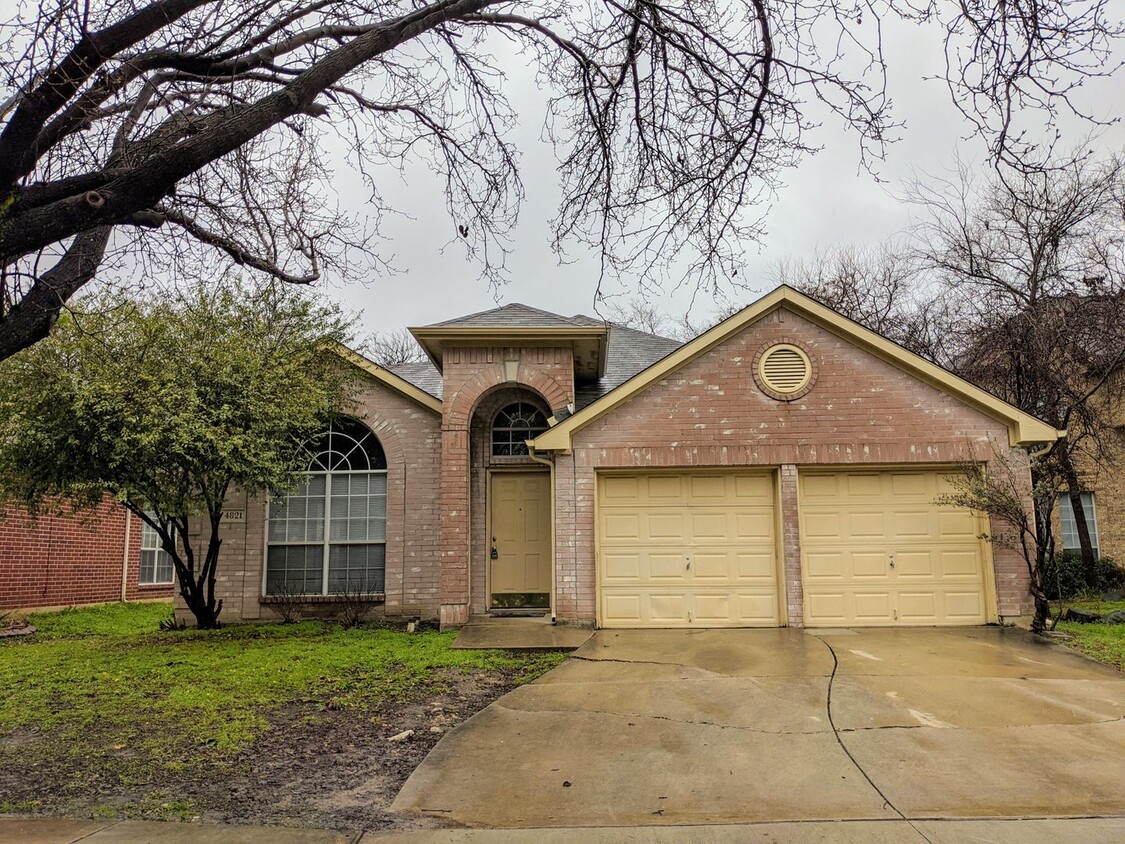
(513, 424)
(329, 536)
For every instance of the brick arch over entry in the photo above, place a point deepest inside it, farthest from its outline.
(460, 408)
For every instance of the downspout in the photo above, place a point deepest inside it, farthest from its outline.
(550, 464)
(125, 558)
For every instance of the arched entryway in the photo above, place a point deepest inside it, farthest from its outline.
(510, 568)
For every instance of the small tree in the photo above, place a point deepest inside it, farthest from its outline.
(994, 488)
(169, 403)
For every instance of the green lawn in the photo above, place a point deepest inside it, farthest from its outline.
(1103, 642)
(104, 689)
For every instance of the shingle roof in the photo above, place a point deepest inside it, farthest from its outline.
(514, 315)
(422, 374)
(628, 351)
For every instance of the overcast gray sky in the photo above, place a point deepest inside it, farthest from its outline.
(828, 200)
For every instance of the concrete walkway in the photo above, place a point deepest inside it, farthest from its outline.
(766, 726)
(1023, 831)
(520, 634)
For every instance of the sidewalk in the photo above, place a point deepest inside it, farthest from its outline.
(1003, 831)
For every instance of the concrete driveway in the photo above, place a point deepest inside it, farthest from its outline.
(644, 728)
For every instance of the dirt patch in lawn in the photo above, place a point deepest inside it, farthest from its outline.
(318, 764)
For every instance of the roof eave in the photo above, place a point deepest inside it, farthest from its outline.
(386, 377)
(1023, 429)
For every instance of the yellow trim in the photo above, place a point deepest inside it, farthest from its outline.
(1023, 428)
(550, 464)
(785, 347)
(385, 376)
(430, 337)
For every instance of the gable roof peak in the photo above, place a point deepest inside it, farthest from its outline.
(512, 315)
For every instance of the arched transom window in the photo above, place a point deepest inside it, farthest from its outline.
(515, 423)
(330, 535)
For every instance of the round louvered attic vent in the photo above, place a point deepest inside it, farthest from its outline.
(785, 369)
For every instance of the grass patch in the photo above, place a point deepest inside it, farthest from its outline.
(114, 620)
(1103, 642)
(103, 682)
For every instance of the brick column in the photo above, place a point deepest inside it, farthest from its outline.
(791, 546)
(454, 525)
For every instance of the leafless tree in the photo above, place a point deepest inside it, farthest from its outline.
(992, 484)
(394, 347)
(881, 289)
(149, 132)
(1036, 263)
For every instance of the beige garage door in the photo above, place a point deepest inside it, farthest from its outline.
(876, 550)
(687, 550)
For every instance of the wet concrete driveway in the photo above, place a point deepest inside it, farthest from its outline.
(739, 726)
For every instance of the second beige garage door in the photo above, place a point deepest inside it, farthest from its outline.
(687, 550)
(876, 550)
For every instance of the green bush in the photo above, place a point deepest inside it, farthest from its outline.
(1068, 577)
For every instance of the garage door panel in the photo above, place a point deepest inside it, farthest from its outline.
(824, 565)
(820, 487)
(964, 562)
(662, 526)
(620, 488)
(663, 567)
(828, 607)
(666, 607)
(861, 525)
(761, 567)
(713, 566)
(861, 486)
(707, 489)
(853, 523)
(867, 564)
(957, 524)
(621, 525)
(622, 609)
(826, 525)
(754, 526)
(912, 483)
(653, 525)
(914, 564)
(619, 566)
(910, 524)
(754, 489)
(709, 527)
(871, 606)
(967, 605)
(664, 488)
(918, 607)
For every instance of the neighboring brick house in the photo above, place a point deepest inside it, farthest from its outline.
(86, 558)
(779, 469)
(1103, 495)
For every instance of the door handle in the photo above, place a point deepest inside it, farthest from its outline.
(687, 558)
(892, 559)
(494, 554)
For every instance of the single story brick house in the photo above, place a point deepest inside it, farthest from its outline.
(65, 560)
(779, 469)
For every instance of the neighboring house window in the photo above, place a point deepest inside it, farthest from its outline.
(156, 563)
(1070, 530)
(330, 535)
(514, 424)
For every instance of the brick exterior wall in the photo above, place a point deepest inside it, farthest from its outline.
(470, 375)
(68, 560)
(860, 411)
(482, 462)
(1107, 482)
(411, 438)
